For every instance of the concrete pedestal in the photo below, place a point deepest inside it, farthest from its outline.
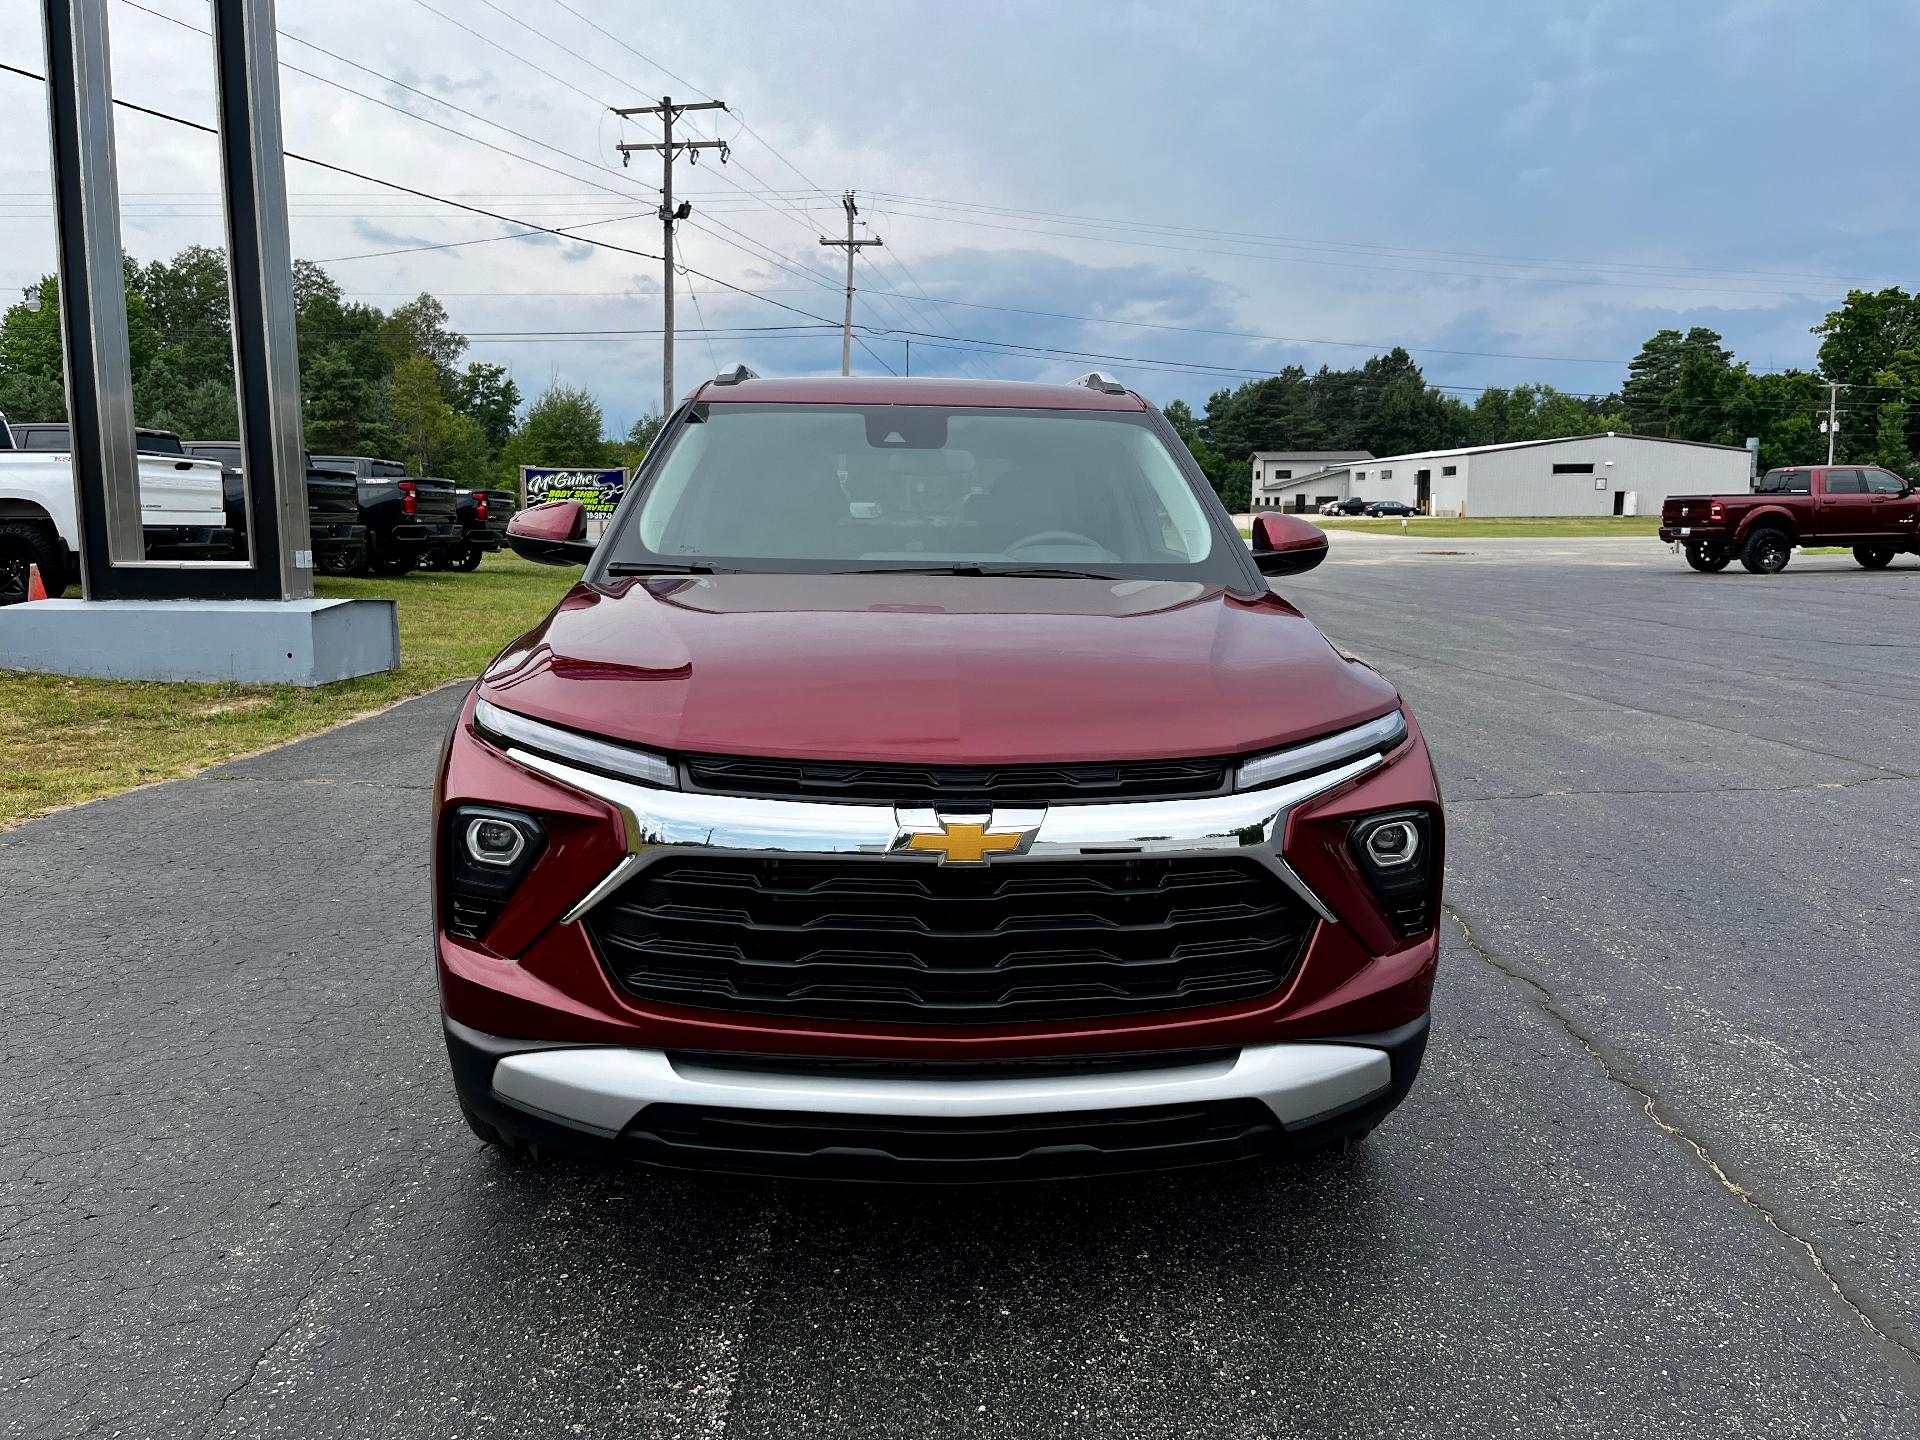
(254, 642)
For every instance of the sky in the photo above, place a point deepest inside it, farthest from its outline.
(1195, 194)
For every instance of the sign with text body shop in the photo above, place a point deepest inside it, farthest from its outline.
(598, 489)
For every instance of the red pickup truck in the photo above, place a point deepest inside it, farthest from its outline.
(923, 782)
(1870, 509)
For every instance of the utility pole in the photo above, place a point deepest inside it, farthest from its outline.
(1833, 416)
(850, 245)
(670, 150)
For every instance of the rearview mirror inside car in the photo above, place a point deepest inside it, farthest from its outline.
(551, 534)
(1287, 545)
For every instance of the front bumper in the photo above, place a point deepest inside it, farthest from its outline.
(773, 1115)
(589, 1059)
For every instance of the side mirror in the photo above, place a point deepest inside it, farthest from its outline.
(551, 534)
(1286, 544)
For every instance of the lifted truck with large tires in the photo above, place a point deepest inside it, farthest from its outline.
(182, 514)
(1871, 511)
(406, 515)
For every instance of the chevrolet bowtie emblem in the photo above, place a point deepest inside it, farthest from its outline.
(969, 841)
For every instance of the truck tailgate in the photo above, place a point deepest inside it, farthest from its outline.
(1685, 510)
(178, 491)
(433, 501)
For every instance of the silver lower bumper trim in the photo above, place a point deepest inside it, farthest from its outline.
(604, 1088)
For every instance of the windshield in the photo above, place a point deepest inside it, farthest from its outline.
(914, 487)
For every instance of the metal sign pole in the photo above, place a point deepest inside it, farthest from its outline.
(93, 300)
(266, 356)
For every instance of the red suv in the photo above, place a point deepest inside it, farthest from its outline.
(922, 782)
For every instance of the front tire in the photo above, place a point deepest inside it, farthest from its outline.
(1767, 551)
(1709, 557)
(1873, 557)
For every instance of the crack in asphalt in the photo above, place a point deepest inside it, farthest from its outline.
(1856, 1304)
(314, 1278)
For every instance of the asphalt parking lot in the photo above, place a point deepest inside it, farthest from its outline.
(1658, 1176)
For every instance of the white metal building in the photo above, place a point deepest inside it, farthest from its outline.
(1610, 474)
(1273, 469)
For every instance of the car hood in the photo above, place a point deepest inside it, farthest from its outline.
(964, 670)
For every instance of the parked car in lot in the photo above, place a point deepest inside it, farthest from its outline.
(1352, 505)
(333, 508)
(848, 818)
(483, 516)
(1332, 507)
(1871, 510)
(405, 515)
(182, 514)
(1389, 507)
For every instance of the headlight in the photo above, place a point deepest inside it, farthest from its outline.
(608, 757)
(1374, 737)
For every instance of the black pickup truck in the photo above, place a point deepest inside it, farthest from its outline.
(406, 515)
(333, 509)
(483, 515)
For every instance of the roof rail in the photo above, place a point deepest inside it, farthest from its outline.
(734, 376)
(1105, 384)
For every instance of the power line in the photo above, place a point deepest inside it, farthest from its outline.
(362, 175)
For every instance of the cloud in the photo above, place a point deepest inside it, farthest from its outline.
(1335, 173)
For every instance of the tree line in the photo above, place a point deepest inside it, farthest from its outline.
(1685, 385)
(372, 382)
(392, 383)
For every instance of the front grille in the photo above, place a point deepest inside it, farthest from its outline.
(899, 940)
(949, 785)
(896, 1147)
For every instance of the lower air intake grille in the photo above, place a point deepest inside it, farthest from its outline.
(895, 1147)
(891, 940)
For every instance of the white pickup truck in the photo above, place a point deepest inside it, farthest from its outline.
(182, 510)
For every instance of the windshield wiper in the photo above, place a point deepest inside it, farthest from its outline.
(660, 567)
(1051, 572)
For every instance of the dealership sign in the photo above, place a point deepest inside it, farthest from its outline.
(597, 490)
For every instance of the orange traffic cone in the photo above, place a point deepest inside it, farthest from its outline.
(36, 587)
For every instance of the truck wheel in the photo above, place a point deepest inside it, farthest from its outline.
(25, 543)
(342, 560)
(1709, 556)
(1767, 551)
(469, 558)
(1873, 557)
(397, 562)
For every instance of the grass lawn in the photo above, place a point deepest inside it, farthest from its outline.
(1545, 527)
(64, 740)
